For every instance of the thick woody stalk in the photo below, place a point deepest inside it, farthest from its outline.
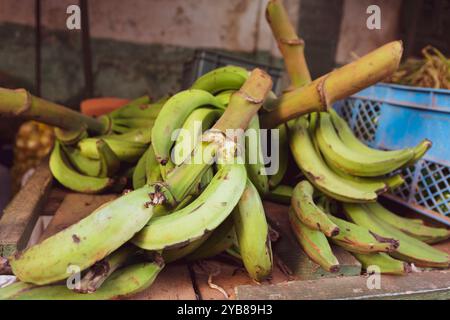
(290, 45)
(20, 103)
(243, 105)
(320, 94)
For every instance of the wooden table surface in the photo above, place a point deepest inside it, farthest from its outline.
(221, 277)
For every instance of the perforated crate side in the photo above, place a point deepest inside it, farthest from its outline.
(427, 183)
(205, 61)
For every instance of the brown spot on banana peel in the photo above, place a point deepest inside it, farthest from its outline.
(393, 242)
(5, 268)
(94, 277)
(75, 238)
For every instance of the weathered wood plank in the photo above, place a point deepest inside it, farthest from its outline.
(23, 211)
(173, 283)
(226, 276)
(293, 256)
(73, 208)
(423, 285)
(54, 199)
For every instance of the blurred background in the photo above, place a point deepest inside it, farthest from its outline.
(127, 48)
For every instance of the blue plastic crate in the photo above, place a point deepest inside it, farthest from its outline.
(387, 116)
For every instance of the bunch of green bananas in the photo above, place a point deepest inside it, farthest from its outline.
(168, 217)
(342, 170)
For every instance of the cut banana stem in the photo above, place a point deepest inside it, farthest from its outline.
(308, 213)
(83, 243)
(70, 178)
(244, 104)
(101, 270)
(409, 226)
(336, 85)
(281, 194)
(220, 240)
(122, 283)
(252, 233)
(351, 160)
(314, 243)
(317, 171)
(383, 263)
(409, 250)
(290, 45)
(20, 103)
(201, 216)
(221, 79)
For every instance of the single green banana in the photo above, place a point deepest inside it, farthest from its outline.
(140, 171)
(281, 194)
(308, 213)
(166, 169)
(350, 140)
(134, 123)
(80, 163)
(353, 161)
(126, 151)
(221, 79)
(122, 283)
(314, 243)
(175, 254)
(220, 240)
(152, 169)
(201, 216)
(71, 179)
(409, 250)
(196, 123)
(385, 263)
(316, 170)
(109, 162)
(70, 137)
(173, 115)
(15, 289)
(103, 269)
(254, 156)
(141, 135)
(370, 184)
(283, 155)
(139, 108)
(252, 233)
(408, 226)
(225, 96)
(358, 239)
(83, 243)
(419, 152)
